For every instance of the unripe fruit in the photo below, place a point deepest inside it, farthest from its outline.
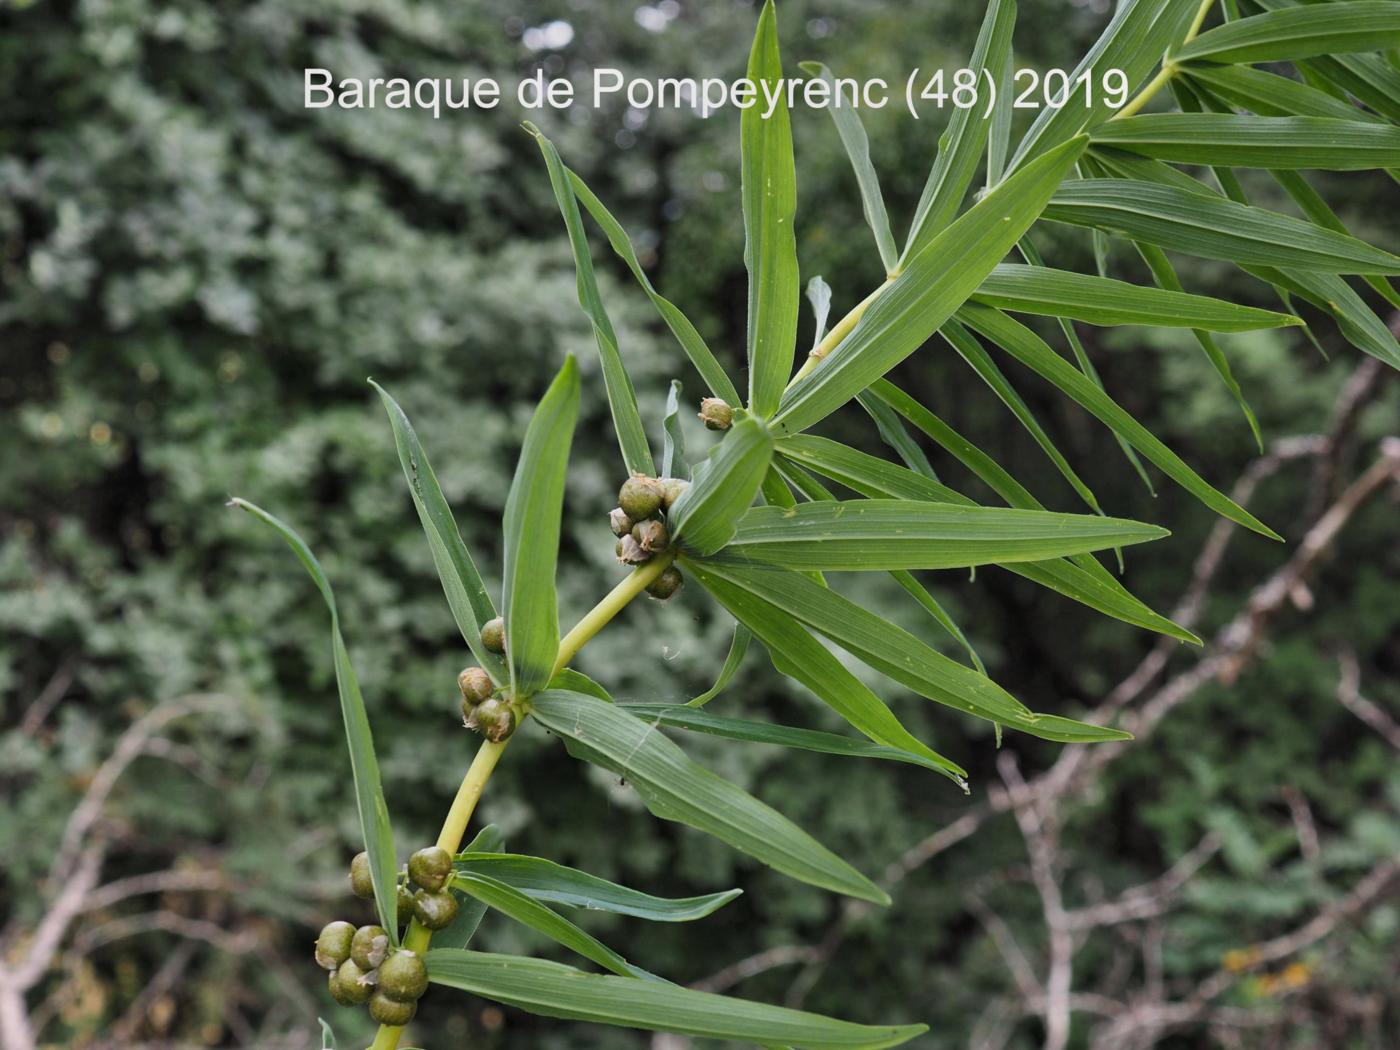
(361, 883)
(494, 719)
(667, 584)
(391, 1011)
(333, 984)
(476, 685)
(403, 977)
(405, 903)
(716, 414)
(630, 552)
(619, 522)
(353, 987)
(651, 536)
(434, 910)
(370, 946)
(639, 497)
(333, 946)
(671, 489)
(493, 635)
(430, 867)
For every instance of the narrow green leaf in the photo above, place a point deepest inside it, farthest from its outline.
(970, 350)
(1027, 347)
(677, 716)
(364, 766)
(853, 138)
(531, 525)
(1134, 42)
(676, 788)
(1370, 78)
(466, 593)
(1100, 301)
(894, 652)
(960, 146)
(819, 295)
(724, 487)
(865, 534)
(934, 284)
(770, 206)
(694, 345)
(930, 604)
(578, 682)
(553, 990)
(738, 648)
(622, 398)
(1271, 95)
(470, 910)
(800, 656)
(529, 912)
(1200, 224)
(673, 464)
(1300, 32)
(1247, 141)
(999, 126)
(1356, 321)
(893, 433)
(553, 883)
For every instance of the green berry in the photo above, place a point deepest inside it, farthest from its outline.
(406, 901)
(619, 522)
(716, 414)
(339, 995)
(333, 946)
(493, 635)
(430, 867)
(350, 979)
(639, 497)
(476, 685)
(361, 883)
(667, 584)
(370, 946)
(403, 977)
(671, 489)
(391, 1011)
(651, 536)
(434, 910)
(495, 720)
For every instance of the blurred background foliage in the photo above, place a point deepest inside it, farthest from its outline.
(198, 275)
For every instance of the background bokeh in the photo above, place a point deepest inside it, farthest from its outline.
(197, 276)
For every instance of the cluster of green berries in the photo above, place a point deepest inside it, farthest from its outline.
(493, 716)
(638, 522)
(363, 968)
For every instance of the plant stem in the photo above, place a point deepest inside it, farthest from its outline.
(454, 825)
(839, 331)
(1169, 68)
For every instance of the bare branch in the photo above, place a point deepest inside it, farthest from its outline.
(1349, 696)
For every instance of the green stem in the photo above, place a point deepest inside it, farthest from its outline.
(1169, 68)
(454, 825)
(839, 331)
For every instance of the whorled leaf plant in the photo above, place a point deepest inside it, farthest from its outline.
(755, 525)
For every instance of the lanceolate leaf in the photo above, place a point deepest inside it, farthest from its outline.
(934, 284)
(895, 652)
(960, 147)
(1247, 141)
(554, 990)
(857, 535)
(691, 341)
(527, 911)
(1300, 32)
(1212, 227)
(622, 398)
(1271, 95)
(364, 767)
(893, 433)
(675, 788)
(724, 487)
(800, 656)
(770, 246)
(531, 526)
(738, 648)
(555, 884)
(673, 463)
(1134, 41)
(853, 137)
(1084, 580)
(1100, 301)
(678, 716)
(1024, 345)
(466, 593)
(920, 594)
